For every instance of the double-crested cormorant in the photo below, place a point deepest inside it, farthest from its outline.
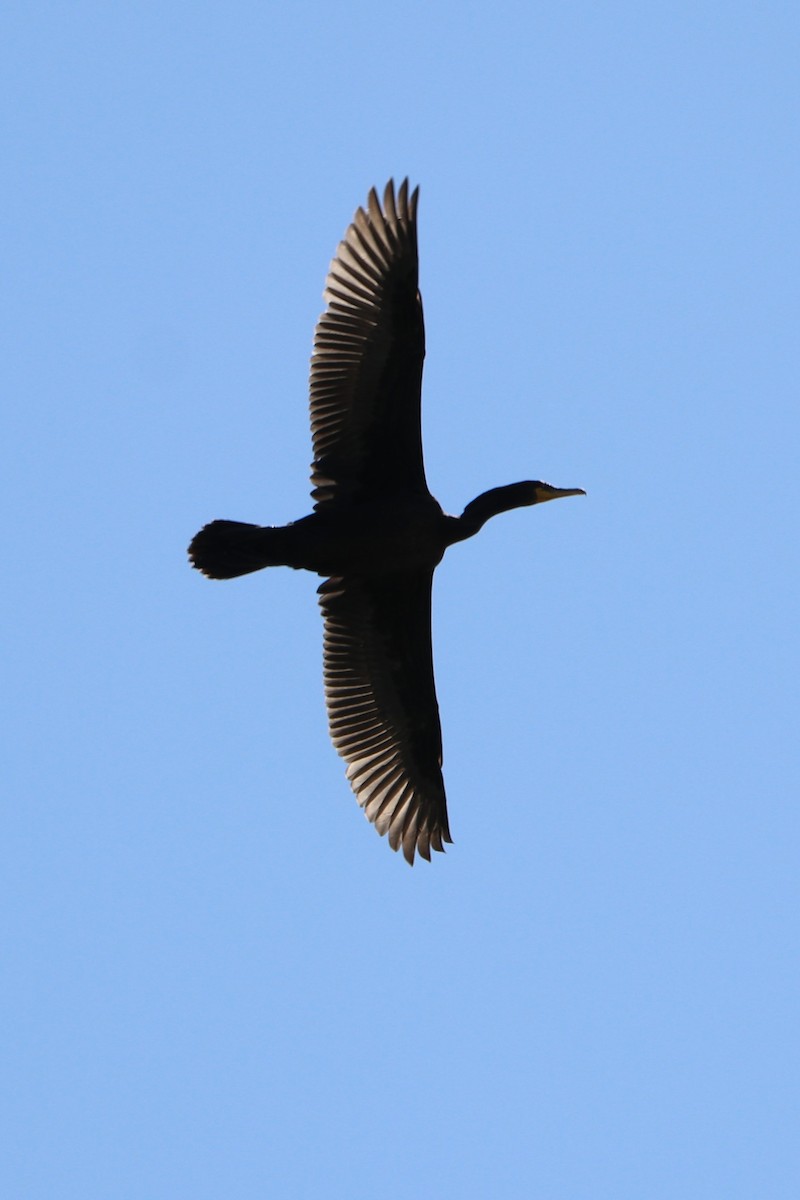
(376, 532)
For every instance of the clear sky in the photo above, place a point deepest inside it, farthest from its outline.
(217, 980)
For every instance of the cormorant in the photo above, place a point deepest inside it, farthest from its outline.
(376, 533)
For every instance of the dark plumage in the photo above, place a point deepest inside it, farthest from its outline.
(376, 534)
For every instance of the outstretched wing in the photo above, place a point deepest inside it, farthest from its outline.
(366, 369)
(381, 699)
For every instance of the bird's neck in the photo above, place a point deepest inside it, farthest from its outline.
(489, 504)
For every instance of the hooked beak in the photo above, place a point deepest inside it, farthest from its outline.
(545, 492)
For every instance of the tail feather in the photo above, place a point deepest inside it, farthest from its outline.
(227, 549)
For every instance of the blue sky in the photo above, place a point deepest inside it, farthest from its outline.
(217, 980)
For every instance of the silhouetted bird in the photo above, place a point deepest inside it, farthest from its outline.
(376, 533)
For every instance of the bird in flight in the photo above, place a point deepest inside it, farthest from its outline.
(376, 533)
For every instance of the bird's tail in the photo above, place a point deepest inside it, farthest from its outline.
(226, 549)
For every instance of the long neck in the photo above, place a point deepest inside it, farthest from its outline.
(489, 504)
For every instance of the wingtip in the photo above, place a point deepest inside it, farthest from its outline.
(397, 205)
(389, 206)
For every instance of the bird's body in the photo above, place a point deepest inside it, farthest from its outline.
(347, 539)
(376, 534)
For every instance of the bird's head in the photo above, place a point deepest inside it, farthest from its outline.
(538, 492)
(502, 499)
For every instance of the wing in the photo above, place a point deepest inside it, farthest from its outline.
(382, 710)
(366, 369)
